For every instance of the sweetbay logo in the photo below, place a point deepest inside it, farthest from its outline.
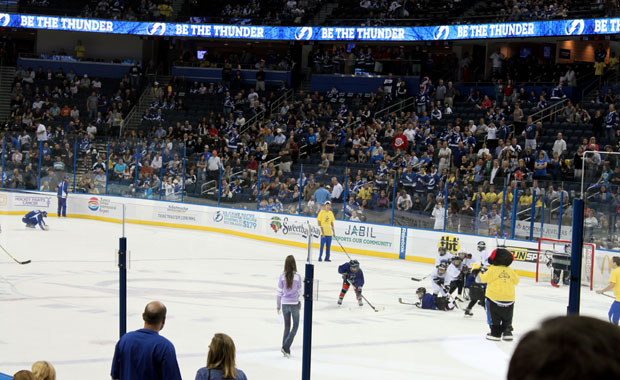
(156, 29)
(575, 27)
(441, 32)
(304, 33)
(291, 227)
(236, 218)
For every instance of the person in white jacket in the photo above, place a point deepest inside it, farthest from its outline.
(439, 213)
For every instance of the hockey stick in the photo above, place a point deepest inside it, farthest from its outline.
(607, 295)
(400, 300)
(344, 250)
(14, 259)
(420, 279)
(376, 309)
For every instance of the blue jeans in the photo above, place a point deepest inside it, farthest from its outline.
(327, 242)
(614, 313)
(289, 311)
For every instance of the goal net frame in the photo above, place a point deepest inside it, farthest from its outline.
(545, 254)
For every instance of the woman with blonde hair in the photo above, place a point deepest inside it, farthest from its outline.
(43, 370)
(289, 291)
(221, 361)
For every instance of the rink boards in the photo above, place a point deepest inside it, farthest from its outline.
(356, 237)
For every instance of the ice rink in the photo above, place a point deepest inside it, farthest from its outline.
(63, 307)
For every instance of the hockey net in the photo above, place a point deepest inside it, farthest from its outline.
(591, 275)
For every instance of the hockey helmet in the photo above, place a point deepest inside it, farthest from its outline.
(482, 245)
(442, 250)
(421, 290)
(44, 213)
(354, 265)
(441, 268)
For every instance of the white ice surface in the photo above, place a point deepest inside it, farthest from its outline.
(63, 307)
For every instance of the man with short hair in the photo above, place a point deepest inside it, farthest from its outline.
(559, 146)
(144, 354)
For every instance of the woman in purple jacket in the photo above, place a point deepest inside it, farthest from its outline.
(289, 291)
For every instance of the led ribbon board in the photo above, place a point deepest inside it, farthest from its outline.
(558, 28)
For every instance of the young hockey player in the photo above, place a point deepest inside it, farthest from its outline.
(442, 256)
(35, 217)
(438, 277)
(454, 275)
(351, 274)
(501, 281)
(561, 271)
(427, 300)
(475, 288)
(484, 254)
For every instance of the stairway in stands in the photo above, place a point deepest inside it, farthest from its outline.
(6, 79)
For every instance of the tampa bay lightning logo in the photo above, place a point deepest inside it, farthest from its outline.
(156, 29)
(575, 27)
(218, 217)
(4, 19)
(304, 33)
(441, 32)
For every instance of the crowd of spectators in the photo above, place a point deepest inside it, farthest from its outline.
(484, 147)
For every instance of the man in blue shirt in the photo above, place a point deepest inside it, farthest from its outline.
(322, 195)
(144, 354)
(63, 190)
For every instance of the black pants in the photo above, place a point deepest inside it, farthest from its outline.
(457, 284)
(499, 318)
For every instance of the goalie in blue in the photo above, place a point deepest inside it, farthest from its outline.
(35, 217)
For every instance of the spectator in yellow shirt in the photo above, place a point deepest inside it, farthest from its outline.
(490, 196)
(165, 10)
(365, 193)
(80, 50)
(614, 283)
(501, 281)
(325, 220)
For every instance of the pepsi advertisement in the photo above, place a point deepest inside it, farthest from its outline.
(558, 28)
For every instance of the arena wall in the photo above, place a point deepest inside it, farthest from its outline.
(359, 238)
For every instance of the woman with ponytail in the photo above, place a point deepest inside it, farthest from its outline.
(289, 291)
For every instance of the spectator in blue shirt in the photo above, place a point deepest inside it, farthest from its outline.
(322, 195)
(540, 166)
(144, 354)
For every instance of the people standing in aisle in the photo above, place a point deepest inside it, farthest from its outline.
(289, 291)
(351, 274)
(63, 190)
(144, 354)
(325, 220)
(614, 283)
(501, 281)
(220, 361)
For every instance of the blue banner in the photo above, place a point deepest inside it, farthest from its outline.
(558, 28)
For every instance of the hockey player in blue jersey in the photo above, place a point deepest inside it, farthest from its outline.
(63, 190)
(35, 217)
(351, 274)
(427, 300)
